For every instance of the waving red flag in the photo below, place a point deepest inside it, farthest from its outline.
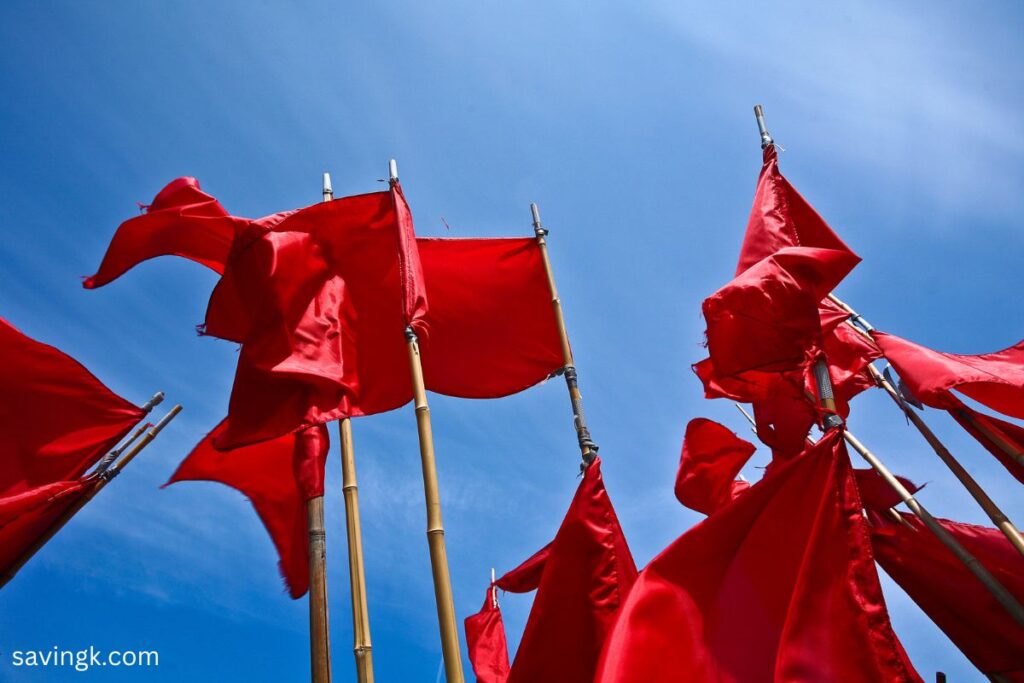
(182, 221)
(485, 640)
(993, 379)
(277, 476)
(56, 418)
(997, 436)
(777, 586)
(712, 456)
(581, 578)
(951, 596)
(25, 517)
(781, 218)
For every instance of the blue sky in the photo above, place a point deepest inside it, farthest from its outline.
(630, 125)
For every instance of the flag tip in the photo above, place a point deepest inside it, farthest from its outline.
(393, 170)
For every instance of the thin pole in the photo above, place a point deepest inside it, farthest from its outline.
(431, 492)
(100, 479)
(362, 649)
(986, 503)
(319, 620)
(998, 591)
(108, 459)
(588, 449)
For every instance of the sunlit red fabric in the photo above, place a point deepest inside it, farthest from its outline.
(711, 458)
(277, 476)
(781, 218)
(26, 516)
(581, 580)
(993, 379)
(991, 432)
(56, 418)
(953, 598)
(181, 221)
(777, 586)
(848, 354)
(485, 641)
(876, 494)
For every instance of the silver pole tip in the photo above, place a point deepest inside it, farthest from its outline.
(328, 190)
(393, 170)
(766, 138)
(156, 400)
(536, 214)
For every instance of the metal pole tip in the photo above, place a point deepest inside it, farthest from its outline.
(536, 214)
(328, 190)
(393, 170)
(766, 138)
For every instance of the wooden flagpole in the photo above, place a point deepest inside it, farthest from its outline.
(362, 648)
(588, 449)
(435, 525)
(319, 621)
(100, 478)
(831, 420)
(986, 503)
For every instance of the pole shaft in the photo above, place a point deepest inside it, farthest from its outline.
(588, 450)
(319, 633)
(993, 511)
(101, 480)
(362, 647)
(435, 525)
(998, 591)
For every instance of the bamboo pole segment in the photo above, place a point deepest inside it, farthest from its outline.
(319, 619)
(994, 512)
(998, 591)
(361, 647)
(431, 492)
(108, 459)
(100, 479)
(588, 449)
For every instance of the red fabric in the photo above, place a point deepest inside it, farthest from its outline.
(848, 353)
(993, 379)
(182, 221)
(951, 596)
(777, 586)
(876, 494)
(277, 476)
(485, 640)
(711, 458)
(585, 575)
(491, 327)
(26, 516)
(56, 418)
(1007, 432)
(767, 317)
(526, 577)
(781, 218)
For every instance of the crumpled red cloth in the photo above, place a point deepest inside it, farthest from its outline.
(950, 595)
(778, 585)
(581, 579)
(485, 641)
(711, 458)
(26, 516)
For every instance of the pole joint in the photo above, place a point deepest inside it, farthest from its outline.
(410, 335)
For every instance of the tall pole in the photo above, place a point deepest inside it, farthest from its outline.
(435, 525)
(832, 421)
(319, 621)
(100, 479)
(361, 648)
(986, 503)
(588, 449)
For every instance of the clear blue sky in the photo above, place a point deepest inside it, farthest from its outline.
(630, 124)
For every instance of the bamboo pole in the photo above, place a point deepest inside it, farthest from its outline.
(832, 421)
(108, 459)
(361, 648)
(319, 619)
(994, 512)
(100, 479)
(588, 449)
(431, 491)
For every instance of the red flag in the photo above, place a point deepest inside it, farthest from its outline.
(876, 494)
(951, 596)
(182, 221)
(56, 418)
(781, 218)
(277, 476)
(995, 435)
(26, 516)
(712, 456)
(581, 579)
(993, 379)
(485, 640)
(848, 353)
(777, 586)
